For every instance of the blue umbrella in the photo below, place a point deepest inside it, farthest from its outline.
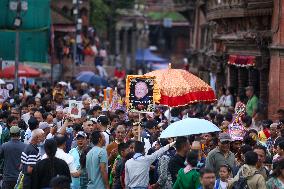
(189, 126)
(91, 78)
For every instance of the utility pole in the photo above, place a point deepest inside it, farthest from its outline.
(78, 27)
(17, 24)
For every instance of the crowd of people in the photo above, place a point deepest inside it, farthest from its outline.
(42, 146)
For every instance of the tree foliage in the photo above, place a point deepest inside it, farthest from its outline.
(102, 11)
(99, 12)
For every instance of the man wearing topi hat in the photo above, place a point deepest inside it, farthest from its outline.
(11, 153)
(221, 155)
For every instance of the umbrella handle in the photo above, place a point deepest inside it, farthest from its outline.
(139, 128)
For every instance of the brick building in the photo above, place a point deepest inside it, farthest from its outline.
(276, 78)
(236, 42)
(242, 35)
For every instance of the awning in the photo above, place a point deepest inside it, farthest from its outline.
(242, 61)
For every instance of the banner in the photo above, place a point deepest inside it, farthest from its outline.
(139, 93)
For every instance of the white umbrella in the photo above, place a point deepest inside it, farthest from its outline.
(2, 82)
(189, 126)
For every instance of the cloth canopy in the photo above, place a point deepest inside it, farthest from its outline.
(24, 71)
(179, 87)
(146, 56)
(241, 61)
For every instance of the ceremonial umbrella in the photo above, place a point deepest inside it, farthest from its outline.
(24, 71)
(179, 88)
(189, 126)
(91, 78)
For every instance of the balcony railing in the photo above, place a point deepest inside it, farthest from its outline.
(238, 8)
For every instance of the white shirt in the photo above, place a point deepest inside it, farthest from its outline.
(137, 168)
(28, 136)
(222, 185)
(106, 137)
(60, 154)
(26, 117)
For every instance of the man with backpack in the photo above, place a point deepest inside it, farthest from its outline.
(248, 176)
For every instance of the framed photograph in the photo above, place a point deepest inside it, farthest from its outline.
(75, 108)
(140, 91)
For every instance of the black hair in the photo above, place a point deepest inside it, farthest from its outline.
(277, 171)
(228, 167)
(266, 123)
(83, 157)
(175, 112)
(60, 139)
(22, 124)
(212, 115)
(228, 117)
(248, 140)
(103, 120)
(219, 119)
(180, 142)
(281, 145)
(45, 115)
(277, 141)
(260, 147)
(129, 156)
(204, 171)
(247, 120)
(192, 158)
(242, 97)
(119, 112)
(33, 123)
(129, 142)
(114, 116)
(163, 141)
(245, 148)
(50, 147)
(60, 182)
(122, 147)
(95, 137)
(251, 158)
(77, 127)
(96, 108)
(31, 100)
(139, 147)
(10, 119)
(2, 115)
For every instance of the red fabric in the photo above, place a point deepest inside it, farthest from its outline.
(88, 51)
(24, 71)
(241, 60)
(266, 132)
(189, 98)
(119, 74)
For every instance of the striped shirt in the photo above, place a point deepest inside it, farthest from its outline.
(30, 156)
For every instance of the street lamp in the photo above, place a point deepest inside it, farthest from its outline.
(17, 6)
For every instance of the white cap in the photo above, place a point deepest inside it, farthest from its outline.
(59, 109)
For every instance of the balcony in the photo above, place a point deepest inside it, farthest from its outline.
(218, 9)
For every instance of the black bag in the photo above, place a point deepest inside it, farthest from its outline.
(242, 182)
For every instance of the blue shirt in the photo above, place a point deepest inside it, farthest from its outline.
(76, 155)
(95, 157)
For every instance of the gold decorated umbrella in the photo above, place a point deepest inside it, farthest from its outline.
(178, 87)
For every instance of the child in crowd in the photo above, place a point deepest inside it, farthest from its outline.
(222, 182)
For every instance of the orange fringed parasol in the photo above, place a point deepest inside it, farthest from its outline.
(179, 88)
